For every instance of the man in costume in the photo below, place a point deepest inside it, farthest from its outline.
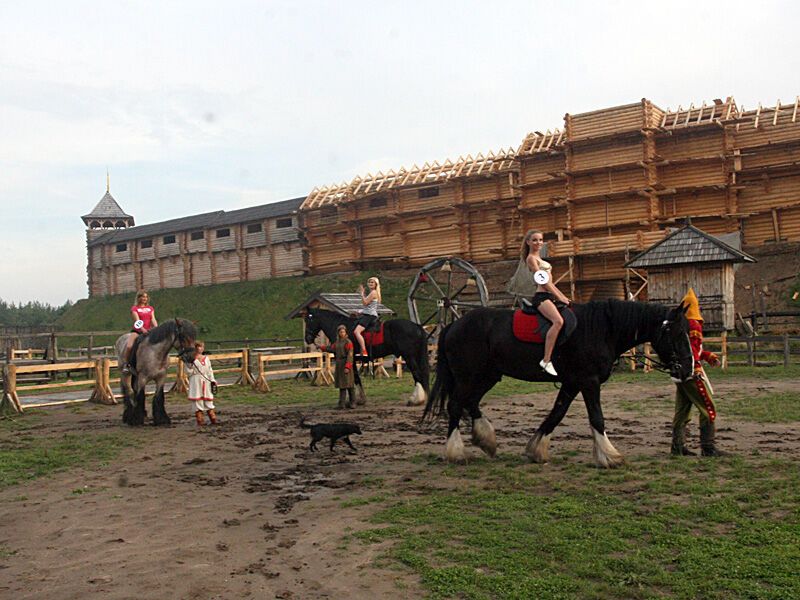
(697, 391)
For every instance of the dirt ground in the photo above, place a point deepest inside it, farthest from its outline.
(246, 510)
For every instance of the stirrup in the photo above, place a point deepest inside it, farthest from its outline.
(548, 368)
(126, 368)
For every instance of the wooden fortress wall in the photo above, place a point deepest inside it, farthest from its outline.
(176, 260)
(605, 188)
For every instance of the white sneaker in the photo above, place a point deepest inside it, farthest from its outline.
(548, 368)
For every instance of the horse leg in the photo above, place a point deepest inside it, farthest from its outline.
(538, 447)
(483, 434)
(605, 455)
(160, 416)
(127, 399)
(454, 448)
(418, 396)
(139, 412)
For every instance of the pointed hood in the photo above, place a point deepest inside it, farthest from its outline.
(690, 300)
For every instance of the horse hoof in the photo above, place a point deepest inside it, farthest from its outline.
(538, 447)
(454, 449)
(484, 437)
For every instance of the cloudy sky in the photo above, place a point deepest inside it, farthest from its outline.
(197, 106)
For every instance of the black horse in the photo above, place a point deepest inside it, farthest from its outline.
(150, 361)
(477, 350)
(401, 337)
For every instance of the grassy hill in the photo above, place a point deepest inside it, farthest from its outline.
(253, 309)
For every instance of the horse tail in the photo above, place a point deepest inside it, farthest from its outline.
(444, 383)
(424, 364)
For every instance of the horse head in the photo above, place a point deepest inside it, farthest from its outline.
(673, 347)
(313, 327)
(185, 336)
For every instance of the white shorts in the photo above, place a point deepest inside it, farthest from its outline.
(203, 405)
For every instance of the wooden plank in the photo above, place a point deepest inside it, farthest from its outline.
(56, 367)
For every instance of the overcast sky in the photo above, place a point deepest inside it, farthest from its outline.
(198, 106)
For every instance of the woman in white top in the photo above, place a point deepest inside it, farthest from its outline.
(369, 314)
(546, 293)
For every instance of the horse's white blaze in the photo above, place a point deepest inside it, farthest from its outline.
(483, 435)
(605, 455)
(538, 449)
(418, 396)
(454, 449)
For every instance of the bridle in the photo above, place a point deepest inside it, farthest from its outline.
(674, 366)
(183, 350)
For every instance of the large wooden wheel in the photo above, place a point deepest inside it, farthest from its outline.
(442, 291)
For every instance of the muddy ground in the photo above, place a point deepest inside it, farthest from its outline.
(246, 510)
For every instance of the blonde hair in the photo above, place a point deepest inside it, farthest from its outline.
(524, 249)
(377, 287)
(140, 294)
(198, 343)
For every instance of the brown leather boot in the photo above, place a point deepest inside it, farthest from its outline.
(679, 442)
(708, 445)
(212, 416)
(198, 415)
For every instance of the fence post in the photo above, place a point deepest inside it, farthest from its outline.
(750, 353)
(244, 377)
(10, 402)
(181, 381)
(724, 351)
(785, 350)
(260, 384)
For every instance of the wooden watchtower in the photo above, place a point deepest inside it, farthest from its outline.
(688, 258)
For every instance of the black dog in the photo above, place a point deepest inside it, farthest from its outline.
(334, 431)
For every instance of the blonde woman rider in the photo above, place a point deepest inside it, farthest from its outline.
(144, 319)
(369, 314)
(546, 293)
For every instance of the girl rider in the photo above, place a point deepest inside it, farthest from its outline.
(369, 314)
(144, 319)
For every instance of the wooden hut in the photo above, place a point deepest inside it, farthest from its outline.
(693, 258)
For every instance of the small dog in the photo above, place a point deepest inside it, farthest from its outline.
(333, 431)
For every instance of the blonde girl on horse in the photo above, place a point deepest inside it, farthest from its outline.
(144, 319)
(546, 294)
(369, 314)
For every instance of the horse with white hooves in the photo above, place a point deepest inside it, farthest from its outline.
(477, 350)
(149, 360)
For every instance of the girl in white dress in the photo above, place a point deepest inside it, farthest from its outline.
(202, 386)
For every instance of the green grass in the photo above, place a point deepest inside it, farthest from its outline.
(781, 407)
(25, 456)
(657, 528)
(253, 309)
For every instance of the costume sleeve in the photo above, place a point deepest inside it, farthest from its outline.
(696, 340)
(210, 370)
(348, 363)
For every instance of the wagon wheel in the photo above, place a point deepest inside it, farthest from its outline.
(442, 291)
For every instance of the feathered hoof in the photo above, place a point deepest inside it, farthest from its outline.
(605, 455)
(538, 448)
(418, 396)
(454, 449)
(484, 437)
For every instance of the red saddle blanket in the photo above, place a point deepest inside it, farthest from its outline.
(526, 327)
(373, 338)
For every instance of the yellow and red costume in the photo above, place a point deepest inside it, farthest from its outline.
(696, 392)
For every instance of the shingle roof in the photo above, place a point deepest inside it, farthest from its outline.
(107, 208)
(219, 218)
(342, 303)
(685, 246)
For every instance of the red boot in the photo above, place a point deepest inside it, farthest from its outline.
(201, 421)
(212, 416)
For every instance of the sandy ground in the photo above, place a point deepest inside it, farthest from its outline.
(245, 510)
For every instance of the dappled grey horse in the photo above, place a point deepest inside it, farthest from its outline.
(149, 361)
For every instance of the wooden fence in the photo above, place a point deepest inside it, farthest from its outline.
(317, 364)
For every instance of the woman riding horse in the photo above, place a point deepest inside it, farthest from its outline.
(478, 349)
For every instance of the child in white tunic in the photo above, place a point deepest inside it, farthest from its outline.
(201, 386)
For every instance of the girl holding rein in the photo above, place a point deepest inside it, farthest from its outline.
(369, 314)
(144, 319)
(546, 293)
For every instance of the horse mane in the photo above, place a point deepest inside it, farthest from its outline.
(169, 329)
(605, 319)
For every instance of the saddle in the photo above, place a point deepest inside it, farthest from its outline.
(134, 348)
(530, 326)
(374, 335)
